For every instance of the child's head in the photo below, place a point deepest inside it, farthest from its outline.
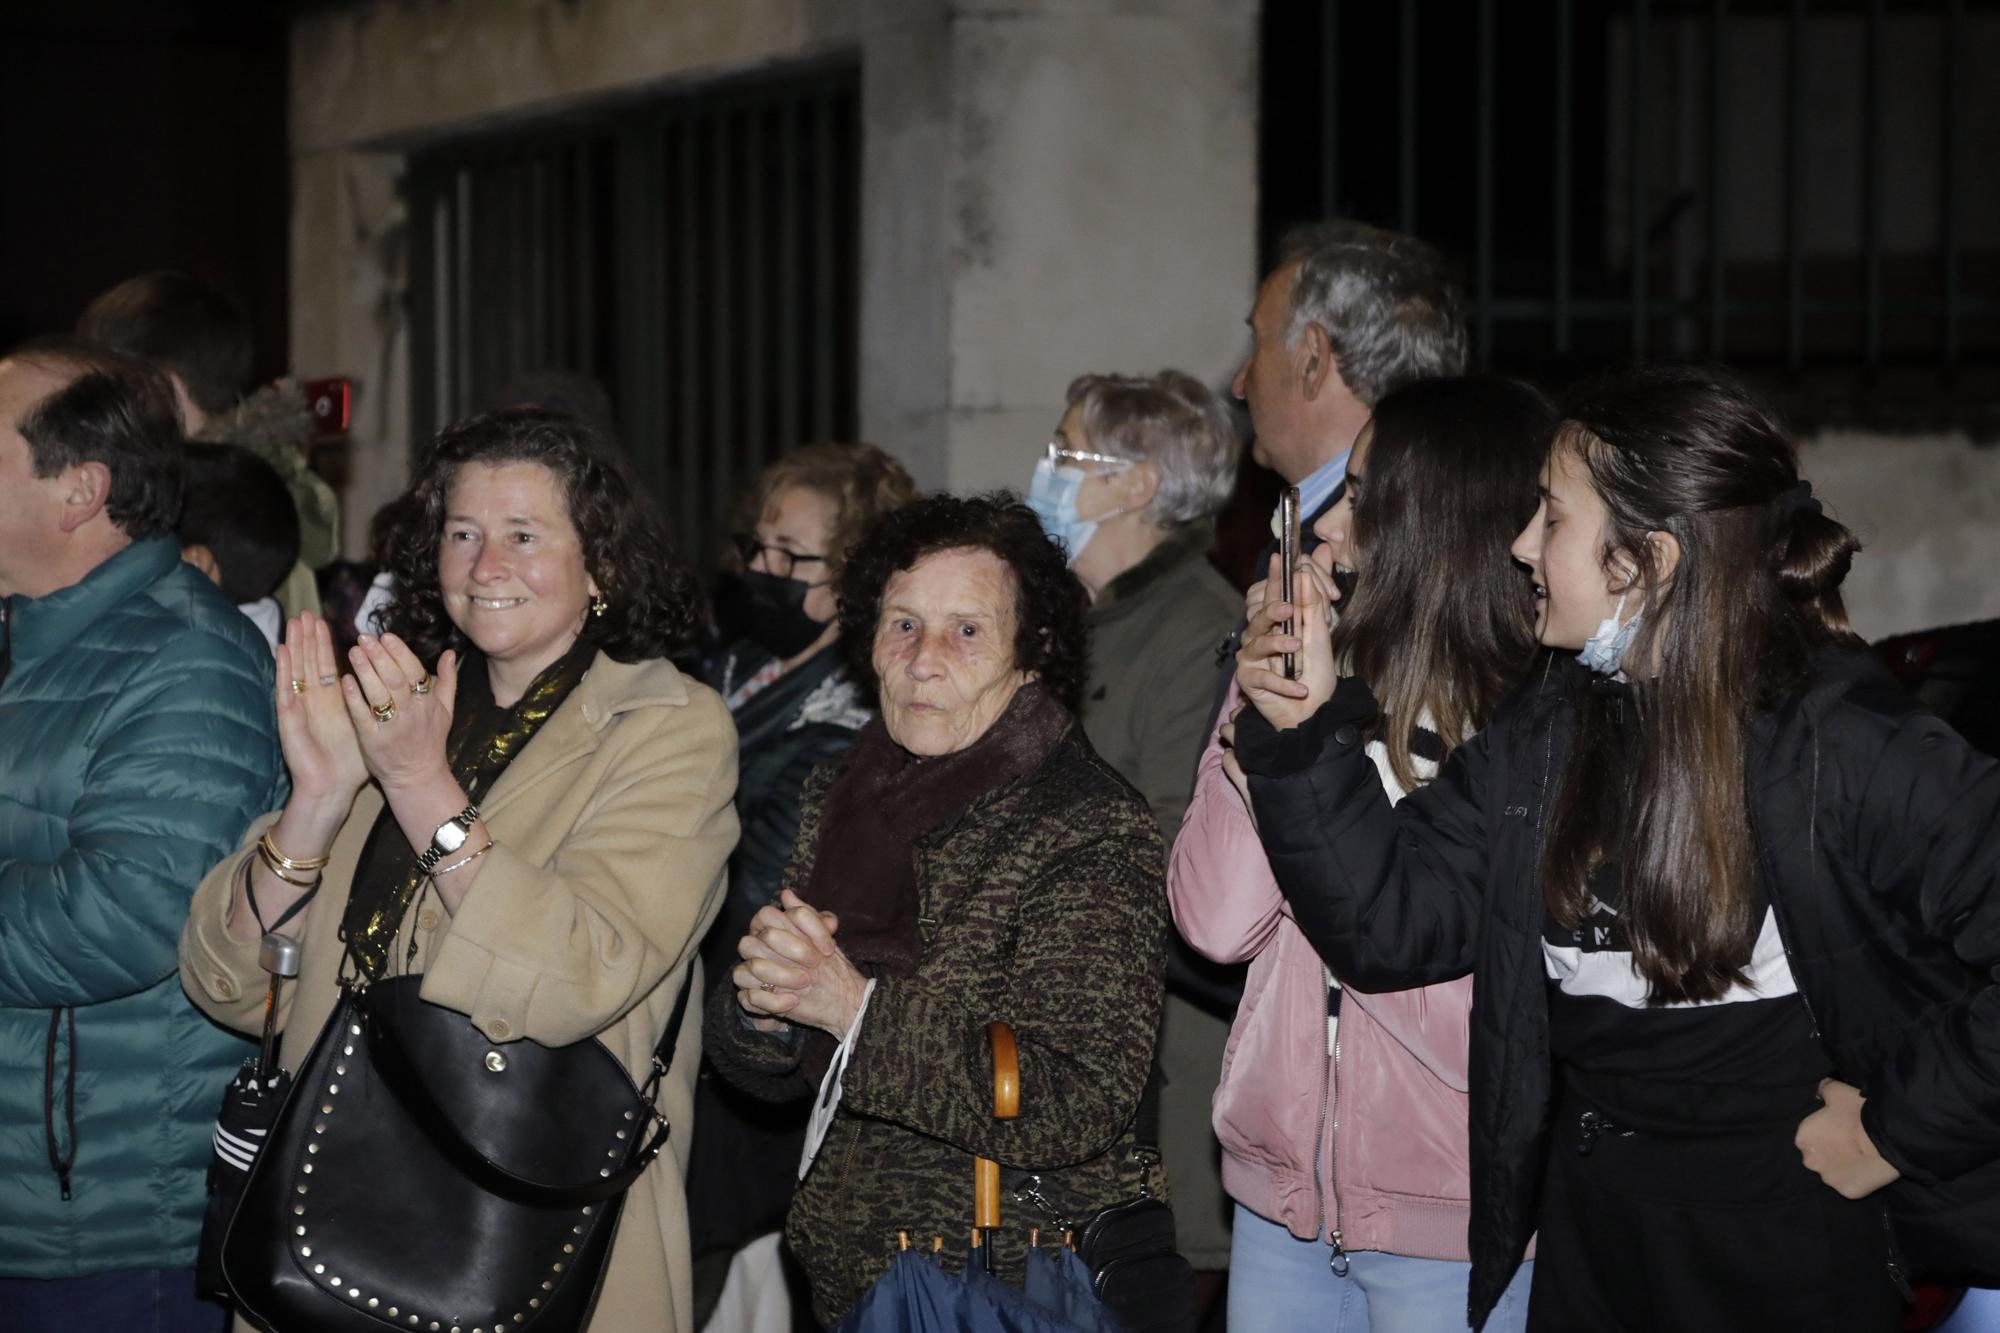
(239, 524)
(1440, 620)
(1671, 494)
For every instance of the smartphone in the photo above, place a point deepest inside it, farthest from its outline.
(1288, 561)
(332, 403)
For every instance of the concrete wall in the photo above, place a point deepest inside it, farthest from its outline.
(1927, 510)
(1049, 187)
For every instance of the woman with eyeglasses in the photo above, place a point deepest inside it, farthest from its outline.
(1130, 485)
(786, 682)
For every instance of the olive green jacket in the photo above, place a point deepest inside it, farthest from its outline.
(1154, 668)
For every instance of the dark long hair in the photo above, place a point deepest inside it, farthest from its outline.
(1442, 621)
(649, 596)
(1687, 451)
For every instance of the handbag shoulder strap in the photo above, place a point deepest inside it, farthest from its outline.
(1146, 1121)
(663, 1054)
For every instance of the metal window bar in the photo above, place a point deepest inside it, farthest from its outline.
(698, 254)
(1774, 274)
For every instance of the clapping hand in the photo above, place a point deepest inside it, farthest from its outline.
(793, 970)
(1287, 703)
(314, 726)
(400, 714)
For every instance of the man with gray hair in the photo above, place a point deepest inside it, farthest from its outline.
(1350, 313)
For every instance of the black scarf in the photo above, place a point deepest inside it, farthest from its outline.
(864, 863)
(484, 739)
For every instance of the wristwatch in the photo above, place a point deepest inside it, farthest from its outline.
(450, 836)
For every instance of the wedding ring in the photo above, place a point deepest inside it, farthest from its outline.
(298, 687)
(385, 712)
(329, 680)
(423, 685)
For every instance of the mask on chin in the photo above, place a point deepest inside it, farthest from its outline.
(768, 611)
(1604, 652)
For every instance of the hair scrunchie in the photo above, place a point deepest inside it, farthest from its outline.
(1799, 499)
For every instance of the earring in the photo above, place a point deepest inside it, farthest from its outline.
(597, 604)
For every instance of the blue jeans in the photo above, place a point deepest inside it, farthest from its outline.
(1281, 1284)
(1979, 1313)
(131, 1300)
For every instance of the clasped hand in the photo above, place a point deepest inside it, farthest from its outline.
(339, 731)
(1286, 703)
(793, 971)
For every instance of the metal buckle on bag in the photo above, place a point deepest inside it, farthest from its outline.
(657, 1142)
(1149, 1161)
(1031, 1193)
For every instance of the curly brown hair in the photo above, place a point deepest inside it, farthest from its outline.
(650, 597)
(1050, 635)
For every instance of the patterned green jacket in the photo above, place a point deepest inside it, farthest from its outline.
(1043, 905)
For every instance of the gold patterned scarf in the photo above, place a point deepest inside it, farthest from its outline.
(484, 739)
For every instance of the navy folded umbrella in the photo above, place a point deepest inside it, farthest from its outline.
(917, 1296)
(1059, 1281)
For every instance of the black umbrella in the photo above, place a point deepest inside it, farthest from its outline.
(250, 1106)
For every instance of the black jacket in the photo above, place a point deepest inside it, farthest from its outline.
(783, 732)
(1879, 833)
(744, 1162)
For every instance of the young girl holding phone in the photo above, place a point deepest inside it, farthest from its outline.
(1726, 892)
(1342, 1114)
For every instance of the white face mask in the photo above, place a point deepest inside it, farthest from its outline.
(1604, 652)
(1052, 494)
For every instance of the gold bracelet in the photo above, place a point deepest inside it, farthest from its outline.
(275, 858)
(271, 865)
(463, 861)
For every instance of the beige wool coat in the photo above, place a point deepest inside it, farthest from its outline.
(611, 832)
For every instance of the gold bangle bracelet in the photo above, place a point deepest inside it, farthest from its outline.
(463, 860)
(277, 870)
(276, 858)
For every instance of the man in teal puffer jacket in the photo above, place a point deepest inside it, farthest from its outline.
(137, 740)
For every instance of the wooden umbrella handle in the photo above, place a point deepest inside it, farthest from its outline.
(1006, 1071)
(1006, 1106)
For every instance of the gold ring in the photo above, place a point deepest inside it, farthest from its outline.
(328, 680)
(423, 685)
(385, 712)
(298, 687)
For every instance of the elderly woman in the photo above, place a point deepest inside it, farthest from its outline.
(972, 860)
(1135, 473)
(796, 705)
(515, 795)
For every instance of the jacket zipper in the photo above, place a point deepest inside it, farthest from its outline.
(1337, 1261)
(1329, 1069)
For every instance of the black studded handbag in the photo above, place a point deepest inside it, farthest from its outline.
(423, 1177)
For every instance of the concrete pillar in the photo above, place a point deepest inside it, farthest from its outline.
(349, 266)
(1053, 188)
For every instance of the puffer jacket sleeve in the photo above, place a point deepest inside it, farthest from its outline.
(560, 952)
(1389, 896)
(184, 758)
(1083, 998)
(1927, 835)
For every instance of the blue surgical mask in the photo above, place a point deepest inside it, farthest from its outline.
(1604, 652)
(1052, 495)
